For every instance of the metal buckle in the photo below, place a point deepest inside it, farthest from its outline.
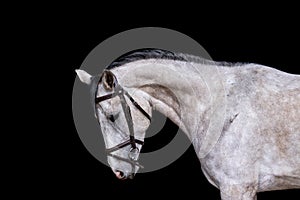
(133, 154)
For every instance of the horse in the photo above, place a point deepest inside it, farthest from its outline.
(257, 147)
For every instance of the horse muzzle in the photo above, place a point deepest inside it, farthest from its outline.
(122, 175)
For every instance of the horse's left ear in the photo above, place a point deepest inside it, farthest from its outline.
(109, 80)
(84, 76)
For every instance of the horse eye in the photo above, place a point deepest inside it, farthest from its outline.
(113, 118)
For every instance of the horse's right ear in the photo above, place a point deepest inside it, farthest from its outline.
(84, 76)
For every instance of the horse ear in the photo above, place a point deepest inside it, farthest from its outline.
(108, 80)
(84, 76)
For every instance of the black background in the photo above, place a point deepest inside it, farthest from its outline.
(69, 170)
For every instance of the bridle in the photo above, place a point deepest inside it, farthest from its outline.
(133, 153)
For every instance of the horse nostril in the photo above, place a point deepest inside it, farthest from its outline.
(120, 174)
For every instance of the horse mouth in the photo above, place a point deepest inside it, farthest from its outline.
(122, 176)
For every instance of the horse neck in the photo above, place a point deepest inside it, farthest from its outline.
(175, 88)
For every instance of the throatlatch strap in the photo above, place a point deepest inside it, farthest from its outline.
(138, 106)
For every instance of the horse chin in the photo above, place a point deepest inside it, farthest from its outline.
(130, 176)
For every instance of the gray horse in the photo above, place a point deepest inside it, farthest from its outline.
(242, 119)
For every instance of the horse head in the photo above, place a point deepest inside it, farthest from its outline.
(124, 119)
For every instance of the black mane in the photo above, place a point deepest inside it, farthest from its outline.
(146, 53)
